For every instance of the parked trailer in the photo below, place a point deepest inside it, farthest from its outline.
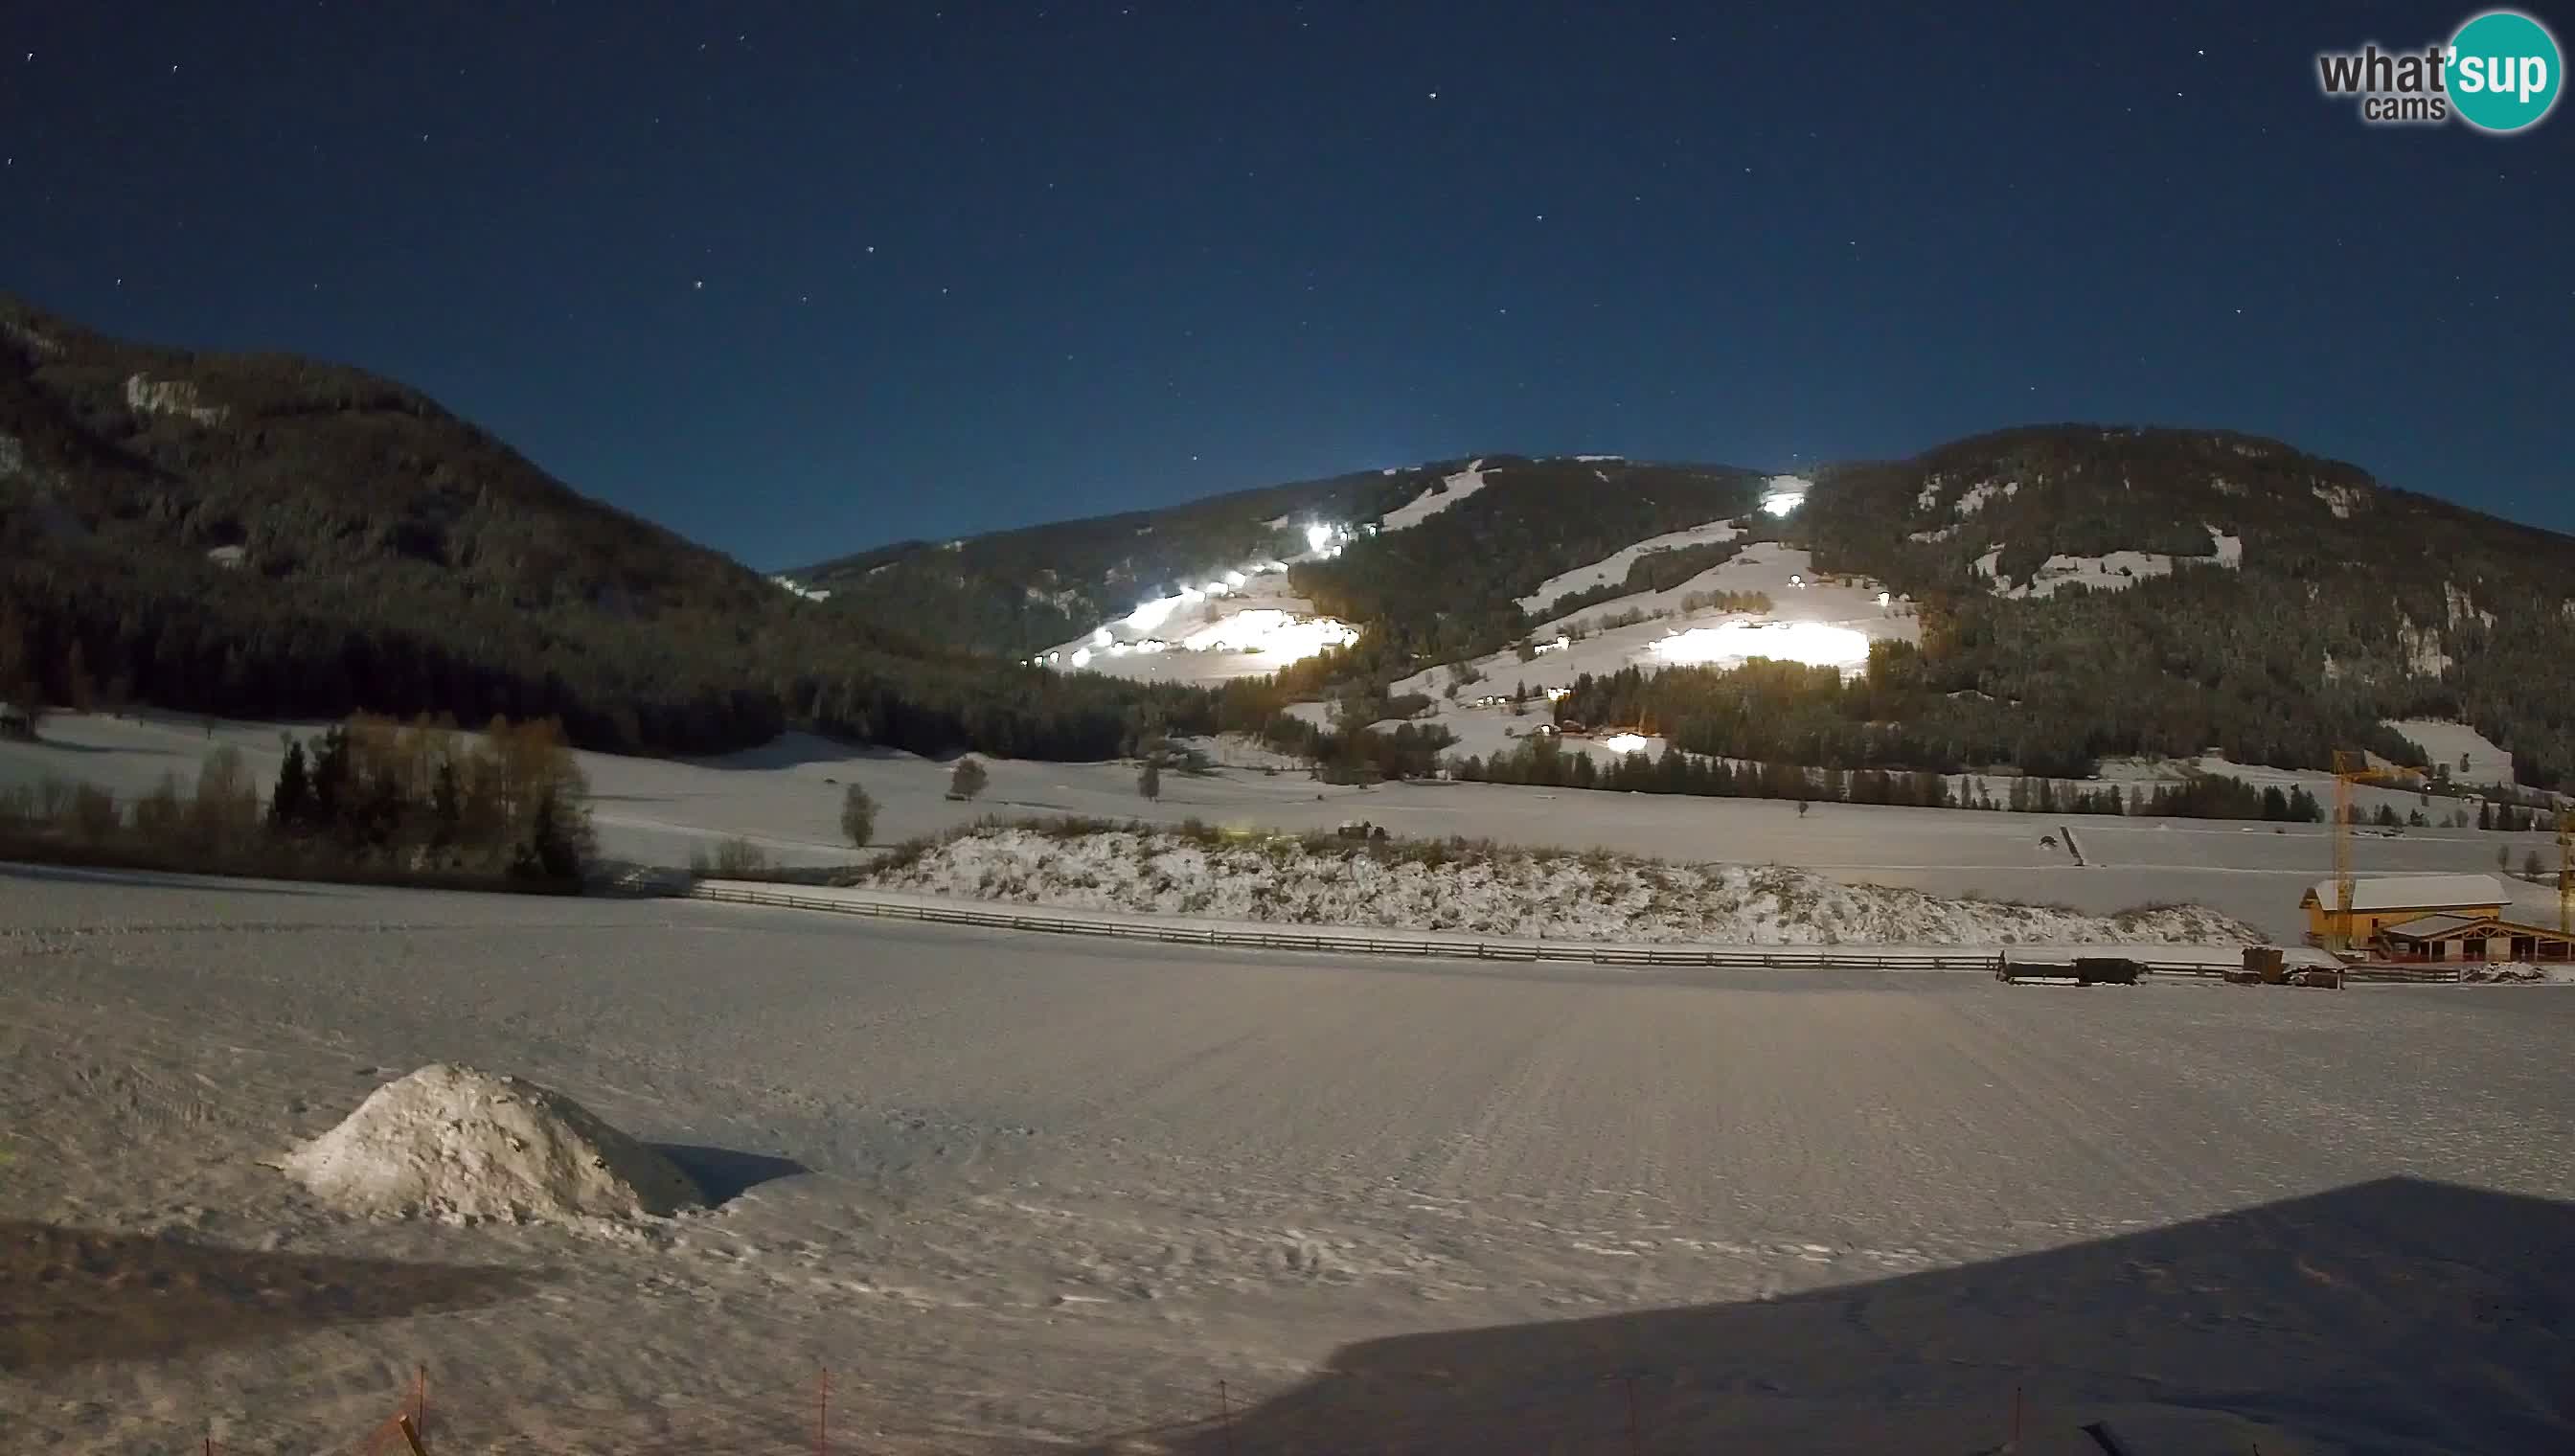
(2087, 970)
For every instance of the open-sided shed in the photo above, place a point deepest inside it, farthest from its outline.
(2471, 937)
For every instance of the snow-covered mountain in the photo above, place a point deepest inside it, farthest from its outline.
(2056, 592)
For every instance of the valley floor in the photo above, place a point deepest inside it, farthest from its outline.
(786, 797)
(1014, 1189)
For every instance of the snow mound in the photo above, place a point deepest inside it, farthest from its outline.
(459, 1144)
(2520, 972)
(1495, 890)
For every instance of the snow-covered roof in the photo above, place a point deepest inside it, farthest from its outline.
(2425, 927)
(2413, 892)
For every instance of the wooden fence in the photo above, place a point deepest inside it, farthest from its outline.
(1174, 931)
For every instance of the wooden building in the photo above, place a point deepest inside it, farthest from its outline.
(2470, 938)
(2392, 900)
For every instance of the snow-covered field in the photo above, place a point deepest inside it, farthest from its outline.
(1498, 893)
(2450, 742)
(2114, 572)
(786, 797)
(1451, 490)
(1612, 569)
(1785, 573)
(1829, 622)
(1010, 1189)
(1238, 624)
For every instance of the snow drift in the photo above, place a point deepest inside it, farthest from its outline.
(1484, 889)
(456, 1143)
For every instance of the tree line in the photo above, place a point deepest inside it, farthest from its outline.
(367, 799)
(1542, 759)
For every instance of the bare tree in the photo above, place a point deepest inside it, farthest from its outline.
(858, 817)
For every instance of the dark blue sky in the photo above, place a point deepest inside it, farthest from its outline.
(795, 279)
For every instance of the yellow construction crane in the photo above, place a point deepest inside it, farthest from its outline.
(2350, 769)
(2566, 872)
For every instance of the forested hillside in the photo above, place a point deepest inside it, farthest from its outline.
(1014, 592)
(1447, 589)
(2346, 602)
(269, 536)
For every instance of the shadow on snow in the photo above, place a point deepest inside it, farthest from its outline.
(2395, 1315)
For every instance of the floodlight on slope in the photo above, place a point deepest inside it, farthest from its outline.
(1152, 614)
(1815, 643)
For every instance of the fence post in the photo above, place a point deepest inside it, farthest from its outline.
(420, 1400)
(1635, 1429)
(1224, 1417)
(822, 1412)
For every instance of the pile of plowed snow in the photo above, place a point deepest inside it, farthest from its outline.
(1321, 880)
(2519, 970)
(456, 1143)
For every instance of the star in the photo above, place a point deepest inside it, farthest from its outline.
(699, 284)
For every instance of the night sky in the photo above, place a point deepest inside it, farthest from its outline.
(796, 280)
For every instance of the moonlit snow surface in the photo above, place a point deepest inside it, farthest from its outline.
(1815, 643)
(1025, 1192)
(1273, 633)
